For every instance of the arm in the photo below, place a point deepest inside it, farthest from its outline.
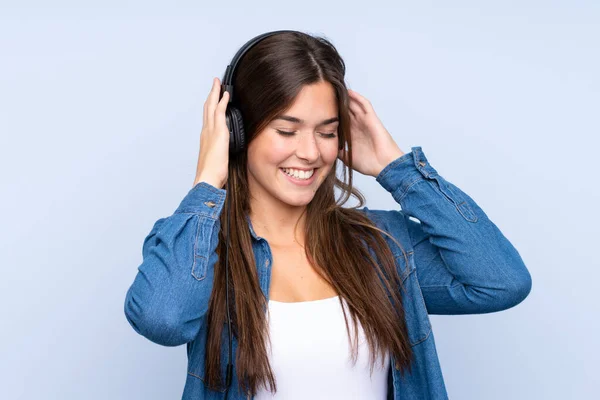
(465, 265)
(169, 297)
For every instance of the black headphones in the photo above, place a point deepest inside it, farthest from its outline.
(237, 142)
(233, 116)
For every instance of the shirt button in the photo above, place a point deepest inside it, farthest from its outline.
(267, 263)
(422, 164)
(210, 204)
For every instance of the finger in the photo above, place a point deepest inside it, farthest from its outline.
(361, 100)
(358, 100)
(205, 115)
(353, 118)
(206, 120)
(220, 110)
(212, 90)
(213, 99)
(356, 108)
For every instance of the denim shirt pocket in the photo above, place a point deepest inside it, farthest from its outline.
(417, 319)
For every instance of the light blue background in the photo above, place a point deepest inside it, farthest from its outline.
(100, 116)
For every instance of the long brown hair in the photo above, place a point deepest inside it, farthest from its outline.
(342, 244)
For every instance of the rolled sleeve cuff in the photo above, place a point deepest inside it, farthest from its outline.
(399, 175)
(203, 199)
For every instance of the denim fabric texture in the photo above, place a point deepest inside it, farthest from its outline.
(457, 262)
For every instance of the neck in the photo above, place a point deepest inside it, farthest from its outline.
(281, 225)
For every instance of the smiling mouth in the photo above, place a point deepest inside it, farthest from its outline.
(299, 174)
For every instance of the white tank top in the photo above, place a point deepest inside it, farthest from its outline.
(310, 354)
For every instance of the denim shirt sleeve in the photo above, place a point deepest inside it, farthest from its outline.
(169, 297)
(464, 264)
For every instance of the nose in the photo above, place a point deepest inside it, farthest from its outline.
(307, 148)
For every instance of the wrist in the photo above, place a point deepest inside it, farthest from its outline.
(386, 160)
(211, 181)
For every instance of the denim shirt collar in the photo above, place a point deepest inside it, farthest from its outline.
(252, 232)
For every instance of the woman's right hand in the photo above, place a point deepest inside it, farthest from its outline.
(213, 159)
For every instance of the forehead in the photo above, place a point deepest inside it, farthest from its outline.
(314, 103)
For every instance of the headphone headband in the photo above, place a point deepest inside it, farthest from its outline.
(227, 83)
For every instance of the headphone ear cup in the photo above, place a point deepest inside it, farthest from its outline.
(237, 135)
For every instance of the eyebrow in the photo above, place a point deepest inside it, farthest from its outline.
(300, 121)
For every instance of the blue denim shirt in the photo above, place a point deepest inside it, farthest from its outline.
(459, 262)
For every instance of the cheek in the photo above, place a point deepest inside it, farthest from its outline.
(329, 151)
(278, 151)
(265, 156)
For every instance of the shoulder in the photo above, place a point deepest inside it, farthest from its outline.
(394, 222)
(382, 218)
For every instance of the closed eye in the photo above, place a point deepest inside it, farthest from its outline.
(324, 134)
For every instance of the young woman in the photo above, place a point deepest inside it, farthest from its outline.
(327, 302)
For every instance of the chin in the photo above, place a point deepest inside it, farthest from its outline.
(296, 201)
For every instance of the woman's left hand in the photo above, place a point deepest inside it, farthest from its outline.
(373, 148)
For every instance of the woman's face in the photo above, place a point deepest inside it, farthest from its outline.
(310, 148)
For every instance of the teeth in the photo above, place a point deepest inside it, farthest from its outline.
(298, 174)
